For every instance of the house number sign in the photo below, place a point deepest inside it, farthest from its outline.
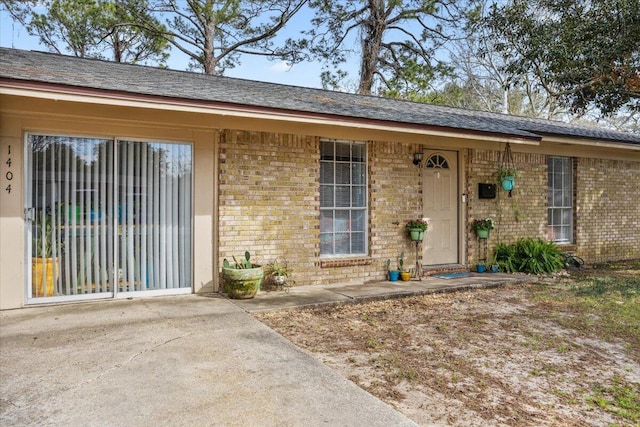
(8, 176)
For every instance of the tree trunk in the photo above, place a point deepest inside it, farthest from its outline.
(371, 44)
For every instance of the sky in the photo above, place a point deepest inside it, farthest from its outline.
(14, 35)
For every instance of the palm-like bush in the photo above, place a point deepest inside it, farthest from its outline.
(533, 256)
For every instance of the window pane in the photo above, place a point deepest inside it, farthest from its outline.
(342, 221)
(326, 243)
(358, 153)
(326, 173)
(342, 243)
(343, 152)
(326, 196)
(357, 196)
(343, 173)
(326, 150)
(357, 242)
(357, 173)
(357, 221)
(343, 197)
(326, 221)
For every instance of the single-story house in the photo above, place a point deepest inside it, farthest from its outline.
(121, 180)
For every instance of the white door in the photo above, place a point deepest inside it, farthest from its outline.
(440, 204)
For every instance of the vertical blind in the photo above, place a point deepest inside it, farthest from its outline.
(108, 213)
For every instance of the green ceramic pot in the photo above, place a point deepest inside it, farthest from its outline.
(416, 234)
(242, 283)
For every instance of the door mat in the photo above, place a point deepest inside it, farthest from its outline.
(452, 275)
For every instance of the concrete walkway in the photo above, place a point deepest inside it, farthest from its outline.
(316, 296)
(185, 360)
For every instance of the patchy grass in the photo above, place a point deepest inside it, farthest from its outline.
(561, 352)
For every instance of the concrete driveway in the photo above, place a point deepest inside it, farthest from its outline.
(187, 360)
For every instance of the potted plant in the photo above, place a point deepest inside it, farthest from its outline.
(493, 265)
(45, 253)
(393, 274)
(242, 279)
(405, 274)
(278, 272)
(482, 227)
(416, 228)
(480, 267)
(506, 177)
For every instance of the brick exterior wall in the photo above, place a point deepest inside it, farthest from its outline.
(607, 215)
(522, 215)
(269, 205)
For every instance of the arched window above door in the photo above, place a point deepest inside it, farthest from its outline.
(437, 161)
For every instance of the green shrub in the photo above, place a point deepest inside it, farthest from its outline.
(533, 256)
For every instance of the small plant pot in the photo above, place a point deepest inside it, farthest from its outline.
(416, 234)
(495, 268)
(482, 234)
(480, 268)
(405, 276)
(508, 183)
(394, 275)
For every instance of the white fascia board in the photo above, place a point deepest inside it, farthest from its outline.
(246, 112)
(590, 142)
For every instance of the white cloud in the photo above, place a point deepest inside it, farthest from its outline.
(280, 67)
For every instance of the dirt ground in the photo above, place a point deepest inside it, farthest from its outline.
(521, 355)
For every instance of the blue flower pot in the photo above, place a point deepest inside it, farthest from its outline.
(394, 275)
(508, 183)
(495, 268)
(480, 268)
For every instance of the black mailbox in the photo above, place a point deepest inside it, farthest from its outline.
(486, 191)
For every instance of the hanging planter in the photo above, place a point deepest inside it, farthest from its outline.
(416, 228)
(482, 227)
(483, 234)
(416, 234)
(507, 171)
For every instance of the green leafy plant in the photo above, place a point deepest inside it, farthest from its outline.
(42, 243)
(533, 256)
(242, 264)
(401, 262)
(503, 172)
(417, 224)
(482, 224)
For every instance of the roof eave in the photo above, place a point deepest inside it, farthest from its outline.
(105, 97)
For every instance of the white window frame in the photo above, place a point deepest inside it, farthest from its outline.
(560, 209)
(334, 210)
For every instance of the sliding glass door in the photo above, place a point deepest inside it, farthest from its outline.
(107, 216)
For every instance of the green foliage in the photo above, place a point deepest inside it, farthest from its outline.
(573, 49)
(93, 29)
(240, 264)
(213, 34)
(396, 44)
(533, 256)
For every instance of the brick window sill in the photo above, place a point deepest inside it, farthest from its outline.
(344, 262)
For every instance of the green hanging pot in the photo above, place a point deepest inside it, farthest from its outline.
(416, 234)
(483, 234)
